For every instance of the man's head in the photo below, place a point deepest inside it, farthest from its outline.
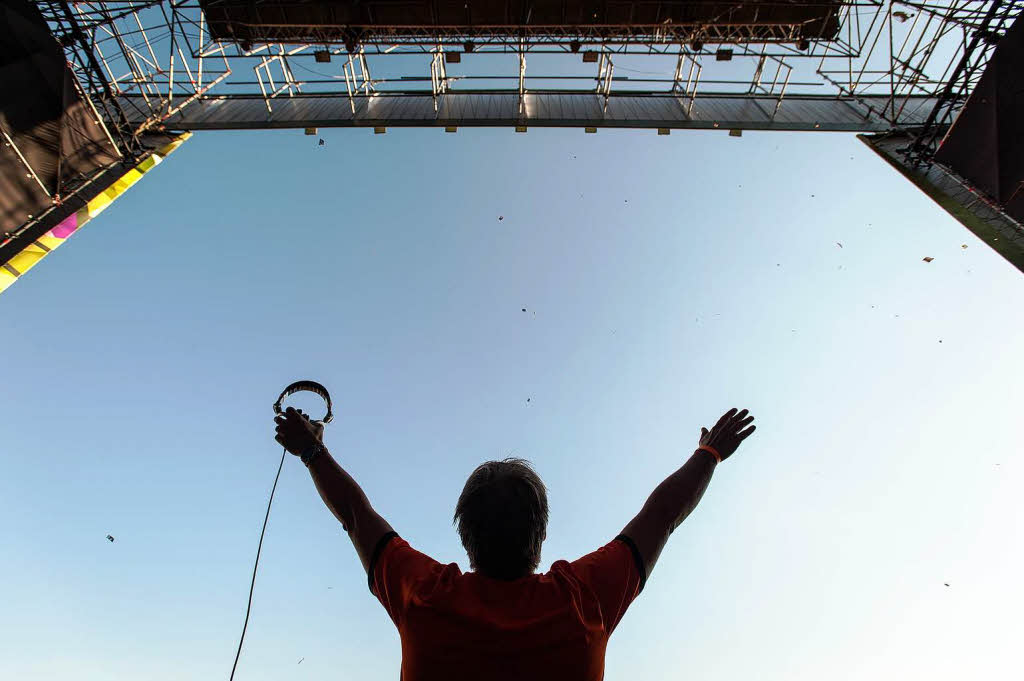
(502, 518)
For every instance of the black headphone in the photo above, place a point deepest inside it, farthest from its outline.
(308, 386)
(297, 386)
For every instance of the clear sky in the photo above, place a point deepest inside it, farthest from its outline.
(666, 279)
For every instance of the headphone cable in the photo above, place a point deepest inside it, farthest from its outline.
(259, 548)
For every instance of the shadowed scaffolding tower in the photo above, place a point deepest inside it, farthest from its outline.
(136, 76)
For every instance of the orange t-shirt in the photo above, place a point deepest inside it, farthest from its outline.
(457, 625)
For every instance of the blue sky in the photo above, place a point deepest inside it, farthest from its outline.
(666, 280)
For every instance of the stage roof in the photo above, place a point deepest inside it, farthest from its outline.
(302, 21)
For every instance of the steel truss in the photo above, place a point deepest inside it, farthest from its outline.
(145, 62)
(962, 80)
(550, 36)
(901, 67)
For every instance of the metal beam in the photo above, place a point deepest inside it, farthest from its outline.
(925, 143)
(661, 110)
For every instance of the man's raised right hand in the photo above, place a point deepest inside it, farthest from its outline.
(728, 433)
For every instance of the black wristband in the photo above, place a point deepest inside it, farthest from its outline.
(313, 451)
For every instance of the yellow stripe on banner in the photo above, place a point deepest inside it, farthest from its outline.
(50, 241)
(148, 164)
(6, 279)
(97, 205)
(120, 186)
(100, 203)
(27, 259)
(168, 148)
(33, 253)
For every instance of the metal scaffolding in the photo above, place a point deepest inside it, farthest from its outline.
(906, 65)
(899, 67)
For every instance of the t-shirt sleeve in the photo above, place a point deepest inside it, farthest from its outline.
(615, 574)
(396, 571)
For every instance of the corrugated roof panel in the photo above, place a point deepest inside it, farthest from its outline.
(542, 109)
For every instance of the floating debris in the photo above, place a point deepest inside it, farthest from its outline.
(839, 244)
(301, 659)
(929, 259)
(110, 538)
(524, 309)
(963, 245)
(527, 399)
(500, 218)
(946, 583)
(901, 16)
(322, 142)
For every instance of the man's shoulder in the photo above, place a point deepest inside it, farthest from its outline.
(561, 573)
